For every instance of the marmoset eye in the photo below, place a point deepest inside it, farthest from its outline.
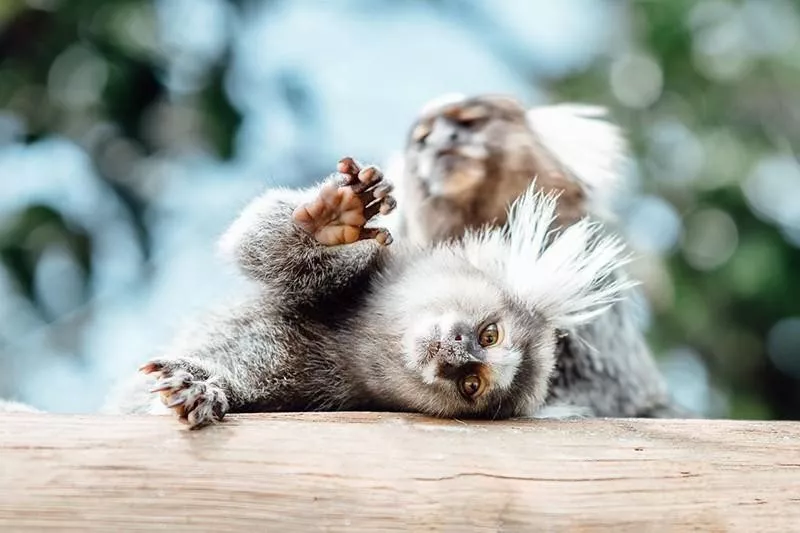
(470, 385)
(420, 133)
(472, 117)
(489, 335)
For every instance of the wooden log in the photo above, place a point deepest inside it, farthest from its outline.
(385, 472)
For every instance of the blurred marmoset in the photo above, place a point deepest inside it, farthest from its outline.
(467, 158)
(346, 319)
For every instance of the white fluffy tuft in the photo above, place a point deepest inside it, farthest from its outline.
(566, 276)
(589, 146)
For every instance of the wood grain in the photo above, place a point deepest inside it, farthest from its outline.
(381, 472)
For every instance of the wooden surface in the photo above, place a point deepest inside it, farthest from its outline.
(365, 472)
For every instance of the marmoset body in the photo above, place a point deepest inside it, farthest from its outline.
(468, 158)
(345, 319)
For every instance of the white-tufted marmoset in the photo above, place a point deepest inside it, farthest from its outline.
(343, 318)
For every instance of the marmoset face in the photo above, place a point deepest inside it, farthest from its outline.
(474, 350)
(452, 148)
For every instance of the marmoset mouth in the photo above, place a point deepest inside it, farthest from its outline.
(450, 157)
(453, 150)
(449, 161)
(453, 175)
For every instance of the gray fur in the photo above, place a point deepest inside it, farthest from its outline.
(607, 367)
(363, 327)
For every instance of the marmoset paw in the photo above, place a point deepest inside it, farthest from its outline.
(345, 204)
(196, 400)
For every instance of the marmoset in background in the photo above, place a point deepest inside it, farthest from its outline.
(342, 318)
(468, 158)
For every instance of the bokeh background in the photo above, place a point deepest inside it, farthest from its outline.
(132, 131)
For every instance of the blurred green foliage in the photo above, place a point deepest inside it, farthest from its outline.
(31, 42)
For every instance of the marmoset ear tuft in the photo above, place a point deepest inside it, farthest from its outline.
(564, 274)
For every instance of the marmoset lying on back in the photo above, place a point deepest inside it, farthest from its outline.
(468, 158)
(346, 319)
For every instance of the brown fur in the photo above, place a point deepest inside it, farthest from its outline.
(483, 186)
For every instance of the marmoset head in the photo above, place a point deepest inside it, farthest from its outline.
(479, 317)
(468, 157)
(473, 349)
(458, 144)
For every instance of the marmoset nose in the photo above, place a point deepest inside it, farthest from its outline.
(453, 360)
(451, 350)
(459, 332)
(455, 349)
(453, 344)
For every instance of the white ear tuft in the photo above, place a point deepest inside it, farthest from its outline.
(587, 145)
(569, 276)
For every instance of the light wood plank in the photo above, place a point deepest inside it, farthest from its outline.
(384, 472)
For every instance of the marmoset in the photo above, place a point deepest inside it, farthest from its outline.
(344, 318)
(468, 158)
